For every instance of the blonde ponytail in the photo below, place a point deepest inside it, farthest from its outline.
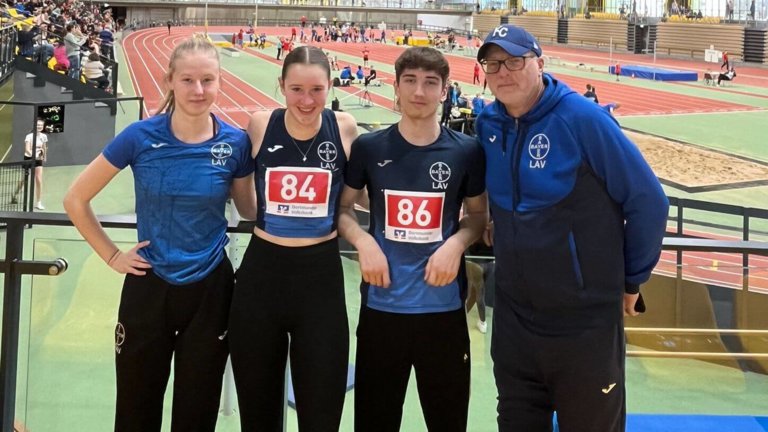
(197, 43)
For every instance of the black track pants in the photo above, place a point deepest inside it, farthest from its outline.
(435, 345)
(580, 375)
(158, 321)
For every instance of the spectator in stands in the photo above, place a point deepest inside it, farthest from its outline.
(94, 70)
(42, 16)
(43, 48)
(20, 8)
(60, 54)
(729, 9)
(73, 40)
(728, 76)
(25, 38)
(752, 10)
(93, 44)
(674, 8)
(4, 11)
(107, 42)
(590, 93)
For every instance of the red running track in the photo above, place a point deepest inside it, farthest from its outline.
(634, 100)
(148, 53)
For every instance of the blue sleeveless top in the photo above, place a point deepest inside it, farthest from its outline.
(298, 183)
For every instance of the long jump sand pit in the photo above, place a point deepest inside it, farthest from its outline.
(696, 169)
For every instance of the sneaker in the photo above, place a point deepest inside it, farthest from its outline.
(482, 326)
(39, 205)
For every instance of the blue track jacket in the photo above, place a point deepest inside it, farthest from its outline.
(579, 215)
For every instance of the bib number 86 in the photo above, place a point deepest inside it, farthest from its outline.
(289, 191)
(406, 215)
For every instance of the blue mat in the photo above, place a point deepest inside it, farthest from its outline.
(697, 423)
(657, 74)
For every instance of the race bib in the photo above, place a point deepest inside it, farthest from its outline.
(297, 191)
(414, 217)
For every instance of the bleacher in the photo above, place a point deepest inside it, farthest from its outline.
(702, 20)
(692, 39)
(599, 33)
(543, 27)
(484, 23)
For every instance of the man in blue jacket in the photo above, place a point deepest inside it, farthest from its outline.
(578, 220)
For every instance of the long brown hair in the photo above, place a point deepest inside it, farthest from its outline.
(192, 45)
(308, 55)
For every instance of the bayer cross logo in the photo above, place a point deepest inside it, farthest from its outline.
(327, 151)
(221, 150)
(119, 337)
(538, 147)
(440, 172)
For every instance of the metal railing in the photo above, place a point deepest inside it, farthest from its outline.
(14, 267)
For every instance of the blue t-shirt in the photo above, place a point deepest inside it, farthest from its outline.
(416, 193)
(181, 193)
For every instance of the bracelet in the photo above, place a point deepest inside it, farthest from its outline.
(114, 255)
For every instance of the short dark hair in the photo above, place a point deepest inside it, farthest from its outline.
(426, 58)
(306, 55)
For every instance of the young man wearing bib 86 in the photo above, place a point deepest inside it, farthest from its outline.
(291, 281)
(417, 174)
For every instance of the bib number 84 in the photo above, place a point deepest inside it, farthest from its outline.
(289, 191)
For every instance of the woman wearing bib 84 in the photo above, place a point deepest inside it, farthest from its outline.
(290, 287)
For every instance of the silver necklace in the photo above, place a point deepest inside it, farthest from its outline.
(304, 154)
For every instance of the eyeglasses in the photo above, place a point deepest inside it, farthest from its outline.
(511, 63)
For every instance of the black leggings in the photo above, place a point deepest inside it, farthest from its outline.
(158, 321)
(290, 297)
